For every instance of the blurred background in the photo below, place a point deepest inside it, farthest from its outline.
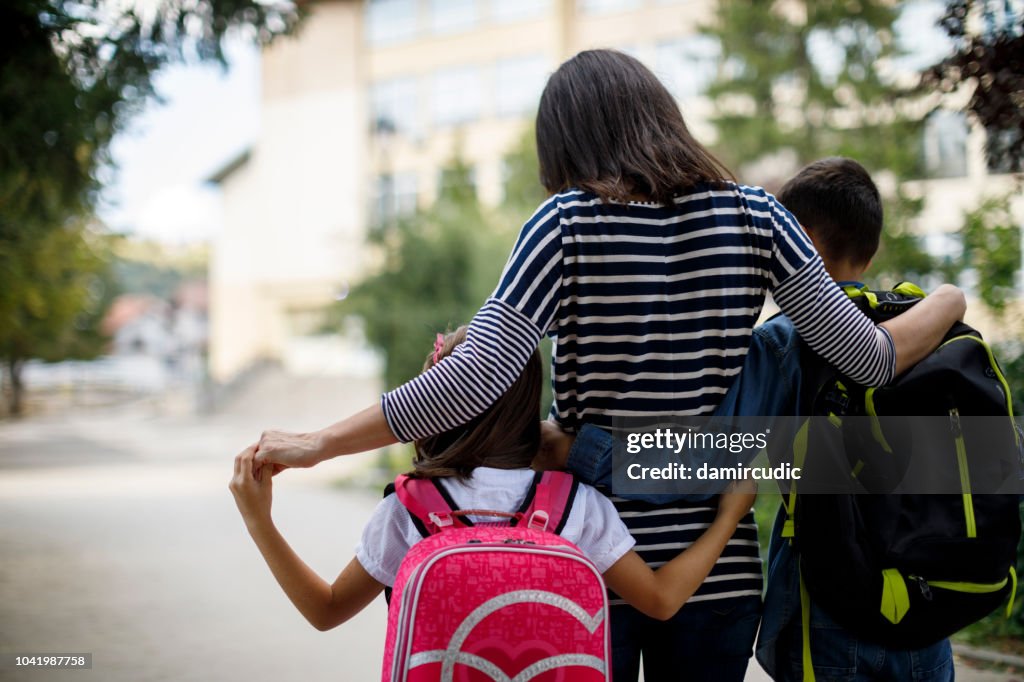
(218, 217)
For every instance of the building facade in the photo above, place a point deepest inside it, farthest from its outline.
(366, 105)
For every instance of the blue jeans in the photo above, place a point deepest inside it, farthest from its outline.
(838, 656)
(710, 641)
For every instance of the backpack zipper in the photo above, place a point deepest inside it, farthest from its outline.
(956, 586)
(965, 477)
(970, 588)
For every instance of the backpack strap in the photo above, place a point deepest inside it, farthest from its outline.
(431, 507)
(550, 500)
(806, 661)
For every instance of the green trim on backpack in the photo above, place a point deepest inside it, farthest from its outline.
(799, 454)
(970, 588)
(977, 588)
(895, 598)
(909, 289)
(965, 475)
(1013, 592)
(853, 291)
(995, 368)
(876, 426)
(805, 632)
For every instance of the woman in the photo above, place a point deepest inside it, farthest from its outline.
(649, 266)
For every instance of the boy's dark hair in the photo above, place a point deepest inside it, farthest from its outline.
(836, 199)
(607, 125)
(505, 436)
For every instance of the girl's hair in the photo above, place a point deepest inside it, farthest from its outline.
(607, 125)
(505, 436)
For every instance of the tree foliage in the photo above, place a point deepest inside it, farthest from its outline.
(54, 296)
(991, 248)
(72, 72)
(988, 57)
(810, 78)
(438, 266)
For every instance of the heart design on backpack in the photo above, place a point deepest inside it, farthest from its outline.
(506, 603)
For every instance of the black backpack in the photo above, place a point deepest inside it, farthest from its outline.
(906, 569)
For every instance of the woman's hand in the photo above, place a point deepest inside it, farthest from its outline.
(284, 449)
(252, 488)
(736, 501)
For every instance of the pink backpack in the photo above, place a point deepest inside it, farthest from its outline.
(496, 602)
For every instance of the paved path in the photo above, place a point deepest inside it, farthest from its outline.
(120, 538)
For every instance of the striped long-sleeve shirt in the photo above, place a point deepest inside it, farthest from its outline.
(651, 308)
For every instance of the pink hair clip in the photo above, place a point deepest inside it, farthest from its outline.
(438, 348)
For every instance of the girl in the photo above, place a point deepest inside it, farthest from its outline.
(484, 465)
(648, 266)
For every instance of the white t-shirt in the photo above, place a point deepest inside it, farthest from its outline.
(593, 524)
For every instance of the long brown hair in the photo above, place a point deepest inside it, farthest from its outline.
(607, 125)
(505, 436)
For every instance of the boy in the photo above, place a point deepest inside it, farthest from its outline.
(839, 207)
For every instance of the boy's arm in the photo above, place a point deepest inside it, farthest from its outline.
(660, 594)
(764, 388)
(587, 454)
(324, 605)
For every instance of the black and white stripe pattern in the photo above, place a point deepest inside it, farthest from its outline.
(662, 532)
(651, 307)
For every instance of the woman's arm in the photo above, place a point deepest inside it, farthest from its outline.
(366, 430)
(661, 593)
(500, 339)
(324, 605)
(831, 324)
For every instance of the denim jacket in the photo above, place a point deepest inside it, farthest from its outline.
(768, 385)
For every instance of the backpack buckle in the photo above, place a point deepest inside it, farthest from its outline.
(440, 520)
(538, 520)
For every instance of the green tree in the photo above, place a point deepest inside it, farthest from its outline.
(992, 249)
(989, 61)
(54, 300)
(72, 72)
(808, 78)
(438, 266)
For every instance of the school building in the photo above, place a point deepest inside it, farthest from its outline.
(367, 103)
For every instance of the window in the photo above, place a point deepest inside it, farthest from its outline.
(507, 11)
(395, 197)
(603, 6)
(518, 84)
(451, 16)
(457, 95)
(945, 145)
(391, 21)
(687, 66)
(393, 107)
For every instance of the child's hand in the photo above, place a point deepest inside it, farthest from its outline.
(737, 500)
(555, 444)
(252, 487)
